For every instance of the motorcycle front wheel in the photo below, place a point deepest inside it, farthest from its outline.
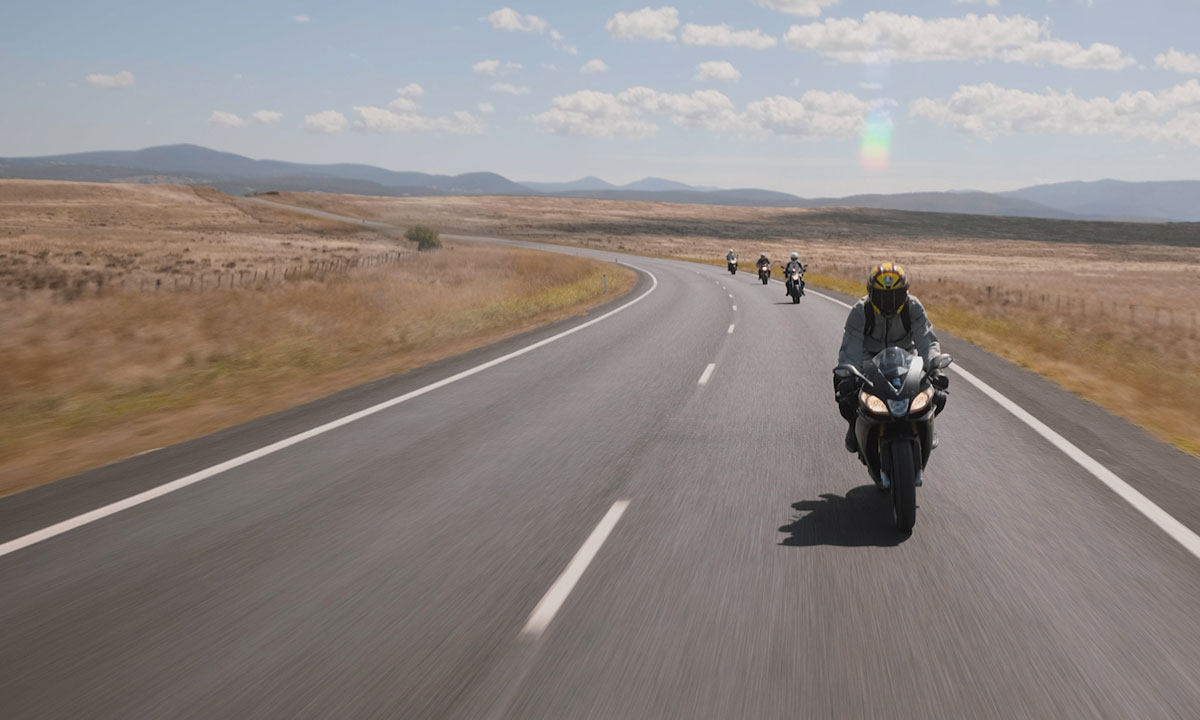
(904, 486)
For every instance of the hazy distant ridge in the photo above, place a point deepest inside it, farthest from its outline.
(236, 174)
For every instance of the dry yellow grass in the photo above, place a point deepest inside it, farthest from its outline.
(1053, 296)
(103, 377)
(71, 239)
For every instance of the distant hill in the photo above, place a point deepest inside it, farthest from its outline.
(240, 175)
(653, 184)
(581, 185)
(1164, 200)
(202, 166)
(971, 203)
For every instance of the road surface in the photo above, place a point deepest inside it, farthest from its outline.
(651, 516)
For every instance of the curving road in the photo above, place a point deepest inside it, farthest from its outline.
(585, 529)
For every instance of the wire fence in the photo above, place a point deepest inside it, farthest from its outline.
(999, 298)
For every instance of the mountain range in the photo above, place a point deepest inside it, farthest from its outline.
(1177, 201)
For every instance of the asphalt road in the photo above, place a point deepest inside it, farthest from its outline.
(585, 530)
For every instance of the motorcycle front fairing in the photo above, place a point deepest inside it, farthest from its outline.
(897, 378)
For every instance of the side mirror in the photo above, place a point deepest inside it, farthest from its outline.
(942, 361)
(841, 372)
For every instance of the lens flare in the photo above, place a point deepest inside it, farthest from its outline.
(877, 134)
(877, 139)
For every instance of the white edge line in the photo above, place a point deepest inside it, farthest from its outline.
(550, 603)
(708, 371)
(111, 509)
(1168, 524)
(1179, 532)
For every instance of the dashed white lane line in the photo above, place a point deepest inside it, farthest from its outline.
(730, 296)
(730, 331)
(735, 308)
(1179, 532)
(541, 616)
(708, 371)
(146, 496)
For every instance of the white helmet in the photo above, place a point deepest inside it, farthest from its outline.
(795, 256)
(730, 249)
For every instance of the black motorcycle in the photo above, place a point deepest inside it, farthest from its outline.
(732, 267)
(895, 423)
(795, 283)
(764, 273)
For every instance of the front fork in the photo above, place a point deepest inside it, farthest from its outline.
(888, 447)
(876, 442)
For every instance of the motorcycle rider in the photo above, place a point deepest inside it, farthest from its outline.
(762, 262)
(888, 316)
(793, 265)
(731, 257)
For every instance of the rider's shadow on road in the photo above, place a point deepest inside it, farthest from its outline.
(862, 517)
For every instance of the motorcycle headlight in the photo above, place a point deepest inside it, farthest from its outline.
(873, 403)
(921, 401)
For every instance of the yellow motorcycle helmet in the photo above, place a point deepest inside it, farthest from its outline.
(887, 286)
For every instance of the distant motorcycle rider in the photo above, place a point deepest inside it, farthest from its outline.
(762, 262)
(888, 316)
(793, 265)
(731, 257)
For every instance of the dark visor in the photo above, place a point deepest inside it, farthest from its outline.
(889, 302)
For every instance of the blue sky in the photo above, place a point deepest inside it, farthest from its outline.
(991, 94)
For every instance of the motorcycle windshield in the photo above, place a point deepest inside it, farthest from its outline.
(890, 365)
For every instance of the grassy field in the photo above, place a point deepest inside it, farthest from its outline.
(1107, 310)
(74, 239)
(95, 377)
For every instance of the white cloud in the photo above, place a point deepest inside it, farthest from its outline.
(726, 36)
(301, 18)
(632, 112)
(225, 119)
(404, 104)
(657, 24)
(1098, 56)
(1178, 61)
(807, 8)
(267, 117)
(509, 88)
(391, 120)
(716, 70)
(1171, 115)
(989, 3)
(403, 115)
(594, 66)
(486, 67)
(885, 36)
(328, 122)
(558, 42)
(816, 114)
(116, 81)
(509, 19)
(486, 107)
(595, 114)
(495, 67)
